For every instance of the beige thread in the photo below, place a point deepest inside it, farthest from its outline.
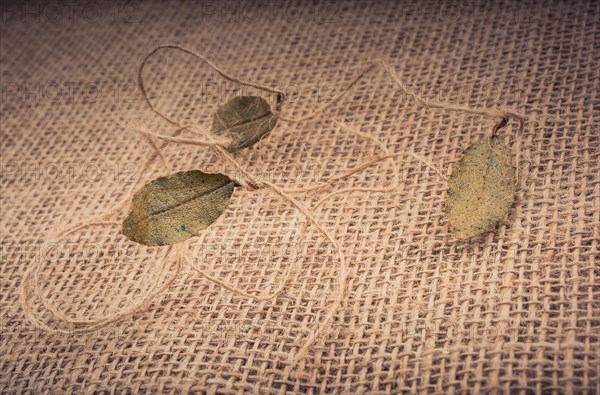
(248, 181)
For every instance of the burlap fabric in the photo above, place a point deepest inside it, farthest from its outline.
(517, 310)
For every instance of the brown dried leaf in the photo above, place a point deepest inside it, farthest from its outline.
(172, 209)
(245, 120)
(481, 188)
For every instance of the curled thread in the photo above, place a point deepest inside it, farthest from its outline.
(389, 70)
(248, 181)
(280, 94)
(30, 287)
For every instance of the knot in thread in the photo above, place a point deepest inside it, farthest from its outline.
(249, 184)
(246, 179)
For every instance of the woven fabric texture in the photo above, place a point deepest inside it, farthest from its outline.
(515, 310)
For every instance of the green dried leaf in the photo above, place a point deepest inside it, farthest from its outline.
(481, 188)
(245, 120)
(175, 208)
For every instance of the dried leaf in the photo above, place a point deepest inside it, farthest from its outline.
(245, 120)
(172, 209)
(481, 188)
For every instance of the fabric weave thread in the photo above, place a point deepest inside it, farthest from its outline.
(513, 311)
